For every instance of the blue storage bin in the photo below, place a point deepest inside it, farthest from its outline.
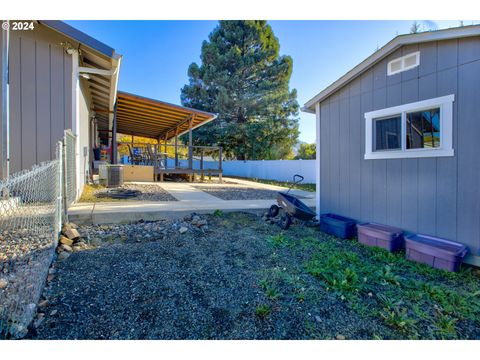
(339, 226)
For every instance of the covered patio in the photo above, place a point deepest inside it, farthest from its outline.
(139, 116)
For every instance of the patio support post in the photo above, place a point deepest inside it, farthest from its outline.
(190, 142)
(166, 137)
(114, 135)
(220, 164)
(202, 177)
(176, 147)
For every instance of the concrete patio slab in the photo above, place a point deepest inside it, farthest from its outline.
(190, 199)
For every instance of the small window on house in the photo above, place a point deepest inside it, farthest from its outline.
(420, 129)
(403, 63)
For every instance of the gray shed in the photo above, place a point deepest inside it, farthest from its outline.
(398, 134)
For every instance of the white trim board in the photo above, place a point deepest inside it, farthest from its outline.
(445, 103)
(402, 59)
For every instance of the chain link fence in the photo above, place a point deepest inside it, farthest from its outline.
(30, 222)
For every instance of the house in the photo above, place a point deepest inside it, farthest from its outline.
(398, 135)
(56, 78)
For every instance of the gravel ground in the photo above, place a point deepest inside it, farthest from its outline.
(25, 255)
(239, 192)
(197, 285)
(148, 192)
(237, 277)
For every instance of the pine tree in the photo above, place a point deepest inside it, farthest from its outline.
(243, 78)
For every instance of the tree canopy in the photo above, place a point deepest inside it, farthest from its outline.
(307, 152)
(245, 81)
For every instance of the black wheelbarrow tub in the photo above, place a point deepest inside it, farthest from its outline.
(294, 207)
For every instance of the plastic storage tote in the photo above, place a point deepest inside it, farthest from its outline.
(436, 252)
(337, 225)
(386, 237)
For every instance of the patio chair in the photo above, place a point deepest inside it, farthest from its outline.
(135, 159)
(157, 159)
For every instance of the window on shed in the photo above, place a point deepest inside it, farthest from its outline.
(388, 132)
(420, 129)
(423, 129)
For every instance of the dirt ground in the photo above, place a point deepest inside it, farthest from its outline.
(240, 277)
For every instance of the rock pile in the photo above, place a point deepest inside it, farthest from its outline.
(192, 222)
(70, 241)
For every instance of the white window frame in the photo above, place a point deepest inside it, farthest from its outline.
(445, 103)
(403, 67)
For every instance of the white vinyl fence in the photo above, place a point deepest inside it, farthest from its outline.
(280, 170)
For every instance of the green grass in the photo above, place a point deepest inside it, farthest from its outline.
(409, 297)
(278, 240)
(218, 213)
(263, 311)
(301, 186)
(88, 194)
(414, 300)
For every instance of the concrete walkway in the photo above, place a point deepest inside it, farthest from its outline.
(189, 199)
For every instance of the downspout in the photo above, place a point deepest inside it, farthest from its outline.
(76, 116)
(317, 161)
(5, 132)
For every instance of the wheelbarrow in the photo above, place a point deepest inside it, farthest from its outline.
(291, 207)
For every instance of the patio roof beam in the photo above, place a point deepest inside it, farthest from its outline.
(180, 124)
(155, 119)
(159, 117)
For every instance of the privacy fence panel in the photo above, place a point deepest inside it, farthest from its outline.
(30, 220)
(280, 170)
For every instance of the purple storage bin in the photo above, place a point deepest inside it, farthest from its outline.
(387, 237)
(436, 252)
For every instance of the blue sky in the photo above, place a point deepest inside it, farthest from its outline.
(156, 54)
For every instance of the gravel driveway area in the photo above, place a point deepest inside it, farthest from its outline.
(238, 192)
(237, 276)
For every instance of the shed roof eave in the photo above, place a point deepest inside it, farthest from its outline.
(391, 46)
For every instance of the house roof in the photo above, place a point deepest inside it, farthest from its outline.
(100, 65)
(79, 36)
(390, 47)
(140, 116)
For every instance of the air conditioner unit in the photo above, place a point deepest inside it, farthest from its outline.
(115, 175)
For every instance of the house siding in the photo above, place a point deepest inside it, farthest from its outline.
(1, 107)
(40, 96)
(434, 196)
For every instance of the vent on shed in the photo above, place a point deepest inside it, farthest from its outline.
(403, 63)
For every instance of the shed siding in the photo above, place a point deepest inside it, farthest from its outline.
(40, 96)
(434, 196)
